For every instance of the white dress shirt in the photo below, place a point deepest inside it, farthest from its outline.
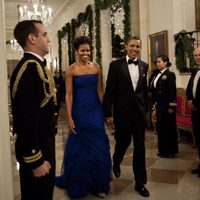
(134, 73)
(157, 77)
(196, 79)
(36, 55)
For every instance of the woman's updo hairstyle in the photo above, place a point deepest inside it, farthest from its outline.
(165, 58)
(81, 40)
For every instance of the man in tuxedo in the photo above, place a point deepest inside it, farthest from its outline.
(126, 94)
(33, 97)
(193, 95)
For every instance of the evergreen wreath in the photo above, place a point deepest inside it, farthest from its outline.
(184, 48)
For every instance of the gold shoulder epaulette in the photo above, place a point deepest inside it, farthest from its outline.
(173, 104)
(49, 93)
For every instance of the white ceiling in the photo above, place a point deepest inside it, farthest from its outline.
(11, 12)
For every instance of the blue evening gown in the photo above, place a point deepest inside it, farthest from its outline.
(87, 161)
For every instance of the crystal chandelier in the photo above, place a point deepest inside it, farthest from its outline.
(116, 13)
(15, 47)
(38, 12)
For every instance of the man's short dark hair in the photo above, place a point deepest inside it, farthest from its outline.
(23, 29)
(133, 38)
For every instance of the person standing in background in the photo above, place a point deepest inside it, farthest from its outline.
(33, 98)
(193, 95)
(164, 100)
(154, 73)
(126, 94)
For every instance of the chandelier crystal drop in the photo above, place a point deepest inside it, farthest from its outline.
(15, 47)
(116, 13)
(38, 12)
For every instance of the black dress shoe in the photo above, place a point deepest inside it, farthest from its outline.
(196, 171)
(116, 170)
(142, 190)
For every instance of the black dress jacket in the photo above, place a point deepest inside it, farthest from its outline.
(165, 92)
(34, 125)
(189, 91)
(121, 96)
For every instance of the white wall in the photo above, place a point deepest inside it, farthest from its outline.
(63, 16)
(147, 17)
(171, 15)
(6, 181)
(106, 45)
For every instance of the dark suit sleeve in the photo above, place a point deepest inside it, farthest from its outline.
(172, 90)
(110, 90)
(145, 89)
(189, 89)
(28, 98)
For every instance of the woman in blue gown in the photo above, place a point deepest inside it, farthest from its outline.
(87, 162)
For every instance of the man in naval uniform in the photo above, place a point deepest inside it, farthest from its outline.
(33, 98)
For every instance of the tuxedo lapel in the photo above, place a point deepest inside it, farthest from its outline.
(124, 68)
(141, 74)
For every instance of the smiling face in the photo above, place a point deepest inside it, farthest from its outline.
(83, 52)
(133, 48)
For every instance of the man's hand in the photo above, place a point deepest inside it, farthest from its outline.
(42, 170)
(72, 126)
(109, 121)
(190, 104)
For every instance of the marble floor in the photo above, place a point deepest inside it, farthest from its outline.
(168, 178)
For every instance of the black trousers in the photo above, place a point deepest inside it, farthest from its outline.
(196, 128)
(39, 188)
(167, 132)
(123, 137)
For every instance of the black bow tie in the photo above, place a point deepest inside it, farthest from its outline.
(133, 61)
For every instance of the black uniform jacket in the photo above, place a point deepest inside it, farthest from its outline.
(189, 91)
(33, 124)
(120, 93)
(165, 92)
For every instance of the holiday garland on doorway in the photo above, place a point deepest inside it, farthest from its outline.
(184, 48)
(69, 31)
(105, 4)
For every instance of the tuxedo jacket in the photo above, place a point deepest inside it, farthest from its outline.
(189, 93)
(120, 99)
(165, 92)
(34, 125)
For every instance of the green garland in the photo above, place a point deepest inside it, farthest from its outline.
(101, 5)
(184, 48)
(69, 30)
(127, 29)
(97, 31)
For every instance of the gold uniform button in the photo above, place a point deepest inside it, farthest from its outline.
(33, 151)
(56, 126)
(56, 114)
